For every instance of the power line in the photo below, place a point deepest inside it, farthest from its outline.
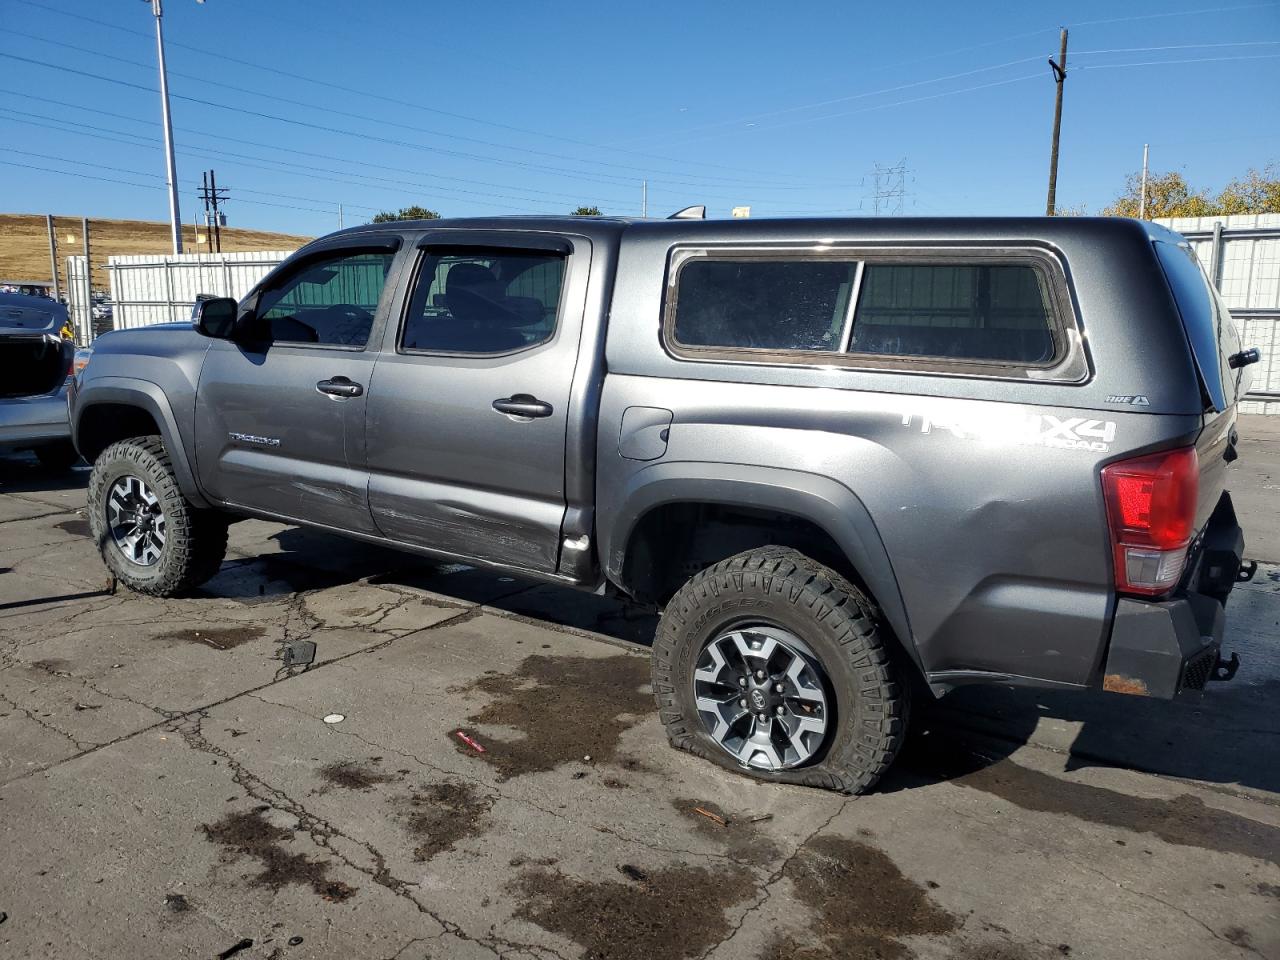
(397, 186)
(293, 151)
(393, 100)
(1160, 63)
(335, 111)
(609, 179)
(702, 192)
(147, 186)
(1172, 13)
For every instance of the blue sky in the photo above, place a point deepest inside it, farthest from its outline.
(535, 107)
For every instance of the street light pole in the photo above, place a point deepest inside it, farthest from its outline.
(171, 167)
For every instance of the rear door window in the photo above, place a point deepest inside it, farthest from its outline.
(1206, 320)
(483, 301)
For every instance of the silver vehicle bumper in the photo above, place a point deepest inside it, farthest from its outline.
(34, 421)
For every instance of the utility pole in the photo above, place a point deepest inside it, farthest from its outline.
(204, 196)
(212, 195)
(53, 254)
(339, 216)
(1060, 76)
(644, 198)
(1142, 204)
(217, 219)
(171, 166)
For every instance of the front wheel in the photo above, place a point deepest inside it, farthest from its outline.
(773, 665)
(150, 536)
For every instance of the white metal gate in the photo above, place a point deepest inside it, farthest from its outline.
(148, 289)
(1242, 256)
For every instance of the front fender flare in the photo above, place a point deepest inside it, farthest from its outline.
(822, 501)
(148, 396)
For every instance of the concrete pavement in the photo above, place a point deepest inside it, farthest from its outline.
(169, 789)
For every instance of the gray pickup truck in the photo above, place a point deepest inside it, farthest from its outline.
(854, 462)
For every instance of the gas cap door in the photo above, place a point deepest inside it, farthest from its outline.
(644, 433)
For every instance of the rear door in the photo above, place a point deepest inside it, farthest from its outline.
(467, 416)
(280, 414)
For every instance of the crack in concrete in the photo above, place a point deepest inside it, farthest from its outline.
(766, 889)
(323, 834)
(496, 793)
(467, 614)
(78, 744)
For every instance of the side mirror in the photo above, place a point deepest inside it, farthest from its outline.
(215, 317)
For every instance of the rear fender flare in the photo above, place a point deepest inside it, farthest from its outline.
(150, 397)
(829, 505)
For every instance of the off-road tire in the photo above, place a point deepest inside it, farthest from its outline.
(57, 457)
(195, 539)
(782, 586)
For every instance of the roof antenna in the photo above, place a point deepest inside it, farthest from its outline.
(697, 212)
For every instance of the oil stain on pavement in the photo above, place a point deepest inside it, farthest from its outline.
(864, 903)
(77, 528)
(218, 638)
(247, 833)
(1184, 820)
(351, 775)
(442, 815)
(568, 708)
(671, 912)
(742, 840)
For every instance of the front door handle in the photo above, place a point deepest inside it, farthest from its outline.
(523, 405)
(340, 387)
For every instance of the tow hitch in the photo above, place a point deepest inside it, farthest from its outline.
(1226, 669)
(1247, 569)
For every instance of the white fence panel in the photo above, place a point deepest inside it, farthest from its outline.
(78, 301)
(1248, 277)
(157, 289)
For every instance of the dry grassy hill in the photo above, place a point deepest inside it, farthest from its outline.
(24, 243)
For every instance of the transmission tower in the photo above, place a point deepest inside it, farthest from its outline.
(891, 189)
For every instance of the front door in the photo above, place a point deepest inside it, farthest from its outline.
(280, 413)
(466, 419)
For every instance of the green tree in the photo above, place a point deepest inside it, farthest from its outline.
(587, 212)
(1253, 193)
(1168, 195)
(406, 213)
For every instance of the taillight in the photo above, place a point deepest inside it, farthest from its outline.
(1151, 510)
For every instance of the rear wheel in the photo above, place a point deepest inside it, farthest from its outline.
(149, 535)
(58, 456)
(773, 665)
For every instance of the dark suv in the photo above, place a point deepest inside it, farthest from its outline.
(845, 457)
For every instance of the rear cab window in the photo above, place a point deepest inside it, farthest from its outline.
(1208, 324)
(968, 311)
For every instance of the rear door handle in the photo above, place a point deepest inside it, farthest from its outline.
(523, 405)
(340, 387)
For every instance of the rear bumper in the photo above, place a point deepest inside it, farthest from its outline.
(1161, 648)
(33, 421)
